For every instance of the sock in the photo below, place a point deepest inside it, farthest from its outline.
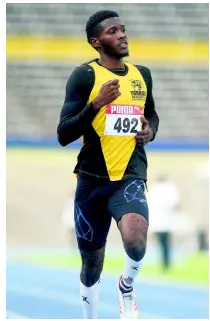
(123, 287)
(89, 299)
(130, 272)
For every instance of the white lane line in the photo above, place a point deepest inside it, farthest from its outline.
(166, 296)
(12, 315)
(68, 299)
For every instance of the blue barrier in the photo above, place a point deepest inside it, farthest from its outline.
(157, 145)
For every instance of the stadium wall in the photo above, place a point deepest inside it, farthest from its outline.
(75, 49)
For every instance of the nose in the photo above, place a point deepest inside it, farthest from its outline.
(121, 35)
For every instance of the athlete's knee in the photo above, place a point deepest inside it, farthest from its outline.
(136, 252)
(133, 229)
(135, 245)
(92, 266)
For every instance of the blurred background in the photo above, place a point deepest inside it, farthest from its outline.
(45, 42)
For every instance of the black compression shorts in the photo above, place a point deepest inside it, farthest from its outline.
(97, 201)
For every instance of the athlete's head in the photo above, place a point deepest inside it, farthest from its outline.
(107, 34)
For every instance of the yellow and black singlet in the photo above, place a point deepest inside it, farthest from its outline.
(109, 148)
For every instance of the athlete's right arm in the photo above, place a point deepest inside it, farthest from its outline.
(75, 113)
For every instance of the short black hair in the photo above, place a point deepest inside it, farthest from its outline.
(93, 24)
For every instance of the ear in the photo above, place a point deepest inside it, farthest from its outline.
(95, 43)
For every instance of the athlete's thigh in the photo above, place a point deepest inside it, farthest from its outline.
(129, 197)
(92, 220)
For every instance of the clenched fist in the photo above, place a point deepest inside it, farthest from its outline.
(145, 135)
(107, 94)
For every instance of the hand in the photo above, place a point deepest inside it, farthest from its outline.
(107, 94)
(145, 135)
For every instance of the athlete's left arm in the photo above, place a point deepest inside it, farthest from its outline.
(149, 112)
(150, 120)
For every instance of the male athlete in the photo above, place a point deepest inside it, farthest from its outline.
(109, 102)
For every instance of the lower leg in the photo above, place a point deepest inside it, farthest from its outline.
(92, 265)
(133, 228)
(131, 270)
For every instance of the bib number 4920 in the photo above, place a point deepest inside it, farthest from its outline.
(126, 125)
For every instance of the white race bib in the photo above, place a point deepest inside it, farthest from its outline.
(123, 120)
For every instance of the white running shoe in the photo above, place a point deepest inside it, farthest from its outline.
(127, 304)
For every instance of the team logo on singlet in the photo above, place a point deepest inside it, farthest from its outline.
(136, 92)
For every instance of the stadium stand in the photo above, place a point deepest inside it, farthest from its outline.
(36, 87)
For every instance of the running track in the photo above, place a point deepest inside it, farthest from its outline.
(35, 292)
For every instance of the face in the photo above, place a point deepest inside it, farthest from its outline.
(112, 39)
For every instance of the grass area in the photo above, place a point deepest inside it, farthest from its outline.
(65, 156)
(192, 270)
(54, 156)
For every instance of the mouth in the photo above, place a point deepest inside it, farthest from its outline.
(123, 45)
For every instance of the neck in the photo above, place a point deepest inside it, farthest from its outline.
(111, 62)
